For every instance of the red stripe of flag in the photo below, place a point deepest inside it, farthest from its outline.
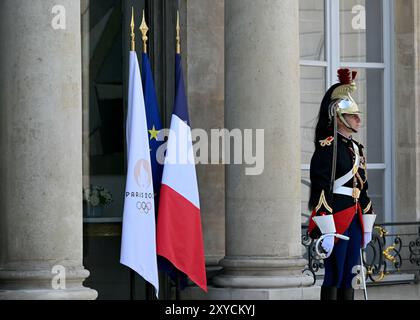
(180, 237)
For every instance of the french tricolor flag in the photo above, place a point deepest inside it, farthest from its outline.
(179, 232)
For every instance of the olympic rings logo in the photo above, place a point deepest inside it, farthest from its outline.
(144, 207)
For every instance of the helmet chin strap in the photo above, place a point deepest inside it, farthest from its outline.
(346, 123)
(349, 127)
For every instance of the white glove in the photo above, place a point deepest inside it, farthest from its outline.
(367, 238)
(328, 244)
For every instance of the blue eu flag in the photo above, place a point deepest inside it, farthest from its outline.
(154, 124)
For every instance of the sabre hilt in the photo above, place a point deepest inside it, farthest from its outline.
(323, 255)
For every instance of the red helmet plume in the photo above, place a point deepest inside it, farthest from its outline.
(345, 76)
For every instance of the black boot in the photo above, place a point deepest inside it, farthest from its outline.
(328, 293)
(345, 294)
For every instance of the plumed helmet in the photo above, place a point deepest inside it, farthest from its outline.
(342, 94)
(341, 100)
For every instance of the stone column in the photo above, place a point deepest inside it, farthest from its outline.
(205, 70)
(41, 158)
(263, 213)
(407, 110)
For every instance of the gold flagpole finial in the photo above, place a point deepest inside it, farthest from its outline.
(178, 37)
(144, 29)
(133, 34)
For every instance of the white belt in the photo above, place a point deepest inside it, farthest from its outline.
(339, 183)
(344, 191)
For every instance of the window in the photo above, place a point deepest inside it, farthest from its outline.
(355, 34)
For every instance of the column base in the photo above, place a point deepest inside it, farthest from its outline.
(262, 272)
(40, 285)
(258, 278)
(304, 293)
(61, 294)
(269, 282)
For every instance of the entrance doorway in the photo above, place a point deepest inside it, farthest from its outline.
(105, 51)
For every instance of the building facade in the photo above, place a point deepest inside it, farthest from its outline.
(248, 65)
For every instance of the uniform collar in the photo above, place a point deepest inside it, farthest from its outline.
(344, 138)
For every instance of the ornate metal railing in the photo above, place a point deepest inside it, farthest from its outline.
(389, 253)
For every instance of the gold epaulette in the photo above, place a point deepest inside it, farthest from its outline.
(327, 142)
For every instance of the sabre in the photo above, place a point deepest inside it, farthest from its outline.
(322, 255)
(363, 276)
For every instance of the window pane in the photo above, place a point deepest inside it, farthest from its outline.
(103, 108)
(312, 85)
(376, 193)
(361, 30)
(312, 33)
(369, 96)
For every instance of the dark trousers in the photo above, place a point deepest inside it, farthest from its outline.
(345, 256)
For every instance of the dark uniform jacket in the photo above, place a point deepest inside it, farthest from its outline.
(343, 207)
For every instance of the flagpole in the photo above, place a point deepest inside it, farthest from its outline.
(178, 287)
(178, 51)
(133, 48)
(133, 34)
(178, 36)
(144, 29)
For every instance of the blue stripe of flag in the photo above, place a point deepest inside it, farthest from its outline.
(181, 103)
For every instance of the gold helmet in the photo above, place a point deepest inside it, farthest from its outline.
(342, 101)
